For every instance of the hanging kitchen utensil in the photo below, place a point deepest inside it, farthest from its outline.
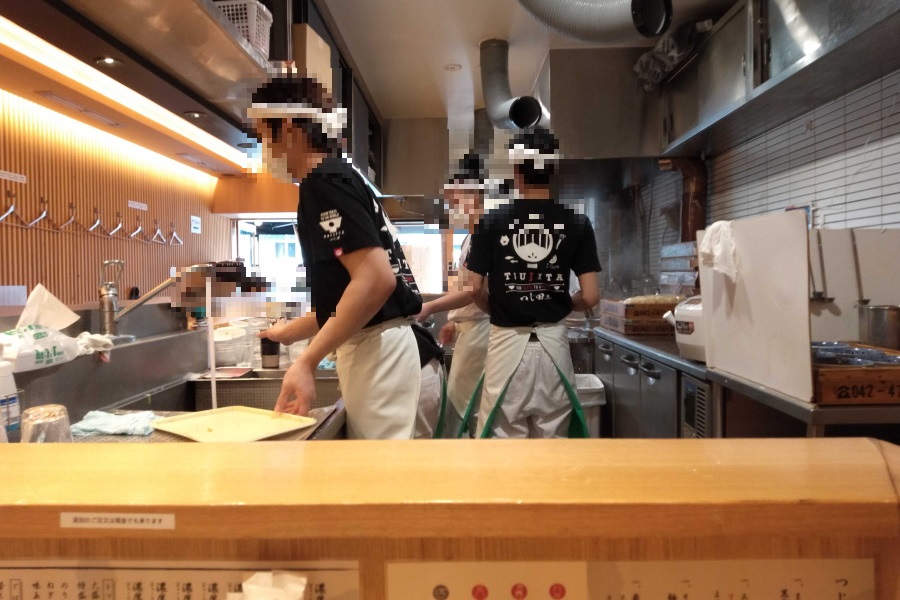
(823, 295)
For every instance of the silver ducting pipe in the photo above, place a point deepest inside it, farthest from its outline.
(504, 111)
(603, 21)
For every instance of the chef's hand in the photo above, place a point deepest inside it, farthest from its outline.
(277, 333)
(424, 313)
(298, 390)
(447, 333)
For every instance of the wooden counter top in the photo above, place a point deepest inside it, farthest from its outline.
(529, 488)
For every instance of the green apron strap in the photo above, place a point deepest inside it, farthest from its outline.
(489, 424)
(464, 426)
(577, 424)
(439, 430)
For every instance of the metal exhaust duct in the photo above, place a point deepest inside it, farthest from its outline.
(603, 21)
(504, 111)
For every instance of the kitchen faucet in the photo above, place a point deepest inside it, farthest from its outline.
(110, 272)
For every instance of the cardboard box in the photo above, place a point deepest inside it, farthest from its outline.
(313, 54)
(618, 308)
(636, 327)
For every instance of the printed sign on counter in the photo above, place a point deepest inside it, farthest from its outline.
(789, 579)
(85, 520)
(51, 581)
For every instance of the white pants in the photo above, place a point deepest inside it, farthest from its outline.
(469, 356)
(535, 403)
(430, 397)
(379, 374)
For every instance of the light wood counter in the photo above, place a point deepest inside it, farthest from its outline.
(457, 500)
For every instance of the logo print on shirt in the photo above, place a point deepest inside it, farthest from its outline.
(533, 244)
(330, 221)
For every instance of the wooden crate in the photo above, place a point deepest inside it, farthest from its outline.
(619, 308)
(636, 326)
(857, 385)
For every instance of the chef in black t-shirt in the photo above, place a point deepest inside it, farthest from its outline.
(521, 255)
(363, 292)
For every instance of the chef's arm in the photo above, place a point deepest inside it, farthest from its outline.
(293, 331)
(478, 292)
(589, 295)
(450, 301)
(372, 281)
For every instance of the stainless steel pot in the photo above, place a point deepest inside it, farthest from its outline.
(879, 325)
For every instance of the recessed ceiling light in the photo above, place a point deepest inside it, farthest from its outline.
(195, 114)
(107, 61)
(453, 67)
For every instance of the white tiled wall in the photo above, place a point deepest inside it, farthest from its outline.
(842, 159)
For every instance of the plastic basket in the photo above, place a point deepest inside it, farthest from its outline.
(252, 19)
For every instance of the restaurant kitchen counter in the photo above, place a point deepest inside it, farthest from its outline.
(662, 348)
(378, 503)
(330, 422)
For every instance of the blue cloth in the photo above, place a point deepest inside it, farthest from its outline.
(326, 364)
(98, 422)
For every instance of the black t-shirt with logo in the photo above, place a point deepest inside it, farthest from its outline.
(338, 215)
(527, 249)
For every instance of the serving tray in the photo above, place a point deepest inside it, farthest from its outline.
(232, 424)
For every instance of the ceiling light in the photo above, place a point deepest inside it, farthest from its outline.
(107, 61)
(101, 118)
(197, 161)
(195, 114)
(78, 108)
(453, 67)
(246, 145)
(33, 52)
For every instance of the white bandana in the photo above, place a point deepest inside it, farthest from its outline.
(333, 122)
(520, 153)
(465, 186)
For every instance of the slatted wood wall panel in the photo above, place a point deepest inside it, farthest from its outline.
(69, 162)
(843, 159)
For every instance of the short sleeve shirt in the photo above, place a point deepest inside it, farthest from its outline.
(337, 215)
(526, 249)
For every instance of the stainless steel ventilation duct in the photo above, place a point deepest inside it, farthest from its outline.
(504, 111)
(603, 21)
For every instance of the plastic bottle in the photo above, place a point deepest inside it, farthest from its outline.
(9, 400)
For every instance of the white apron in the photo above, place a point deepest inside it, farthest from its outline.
(526, 389)
(469, 355)
(430, 416)
(379, 374)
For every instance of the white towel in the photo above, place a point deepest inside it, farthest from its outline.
(717, 249)
(98, 422)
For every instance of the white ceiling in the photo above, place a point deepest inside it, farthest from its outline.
(401, 46)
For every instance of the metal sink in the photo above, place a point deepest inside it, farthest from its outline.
(261, 389)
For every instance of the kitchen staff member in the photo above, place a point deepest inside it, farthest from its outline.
(525, 250)
(363, 293)
(464, 194)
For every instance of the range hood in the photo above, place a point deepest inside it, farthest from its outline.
(206, 68)
(597, 107)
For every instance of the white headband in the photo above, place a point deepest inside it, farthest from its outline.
(465, 186)
(520, 153)
(333, 122)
